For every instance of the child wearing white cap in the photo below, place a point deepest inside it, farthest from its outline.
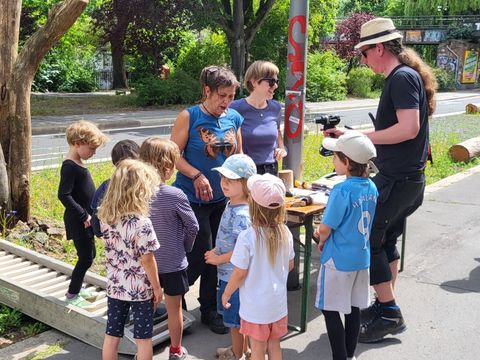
(343, 279)
(262, 257)
(234, 174)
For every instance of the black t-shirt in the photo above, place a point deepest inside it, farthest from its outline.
(403, 89)
(75, 191)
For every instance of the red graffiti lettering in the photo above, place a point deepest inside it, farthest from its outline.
(297, 67)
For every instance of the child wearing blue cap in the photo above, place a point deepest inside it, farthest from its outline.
(234, 174)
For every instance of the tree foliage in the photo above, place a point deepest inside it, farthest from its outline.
(349, 7)
(239, 20)
(69, 65)
(322, 20)
(441, 7)
(348, 35)
(145, 27)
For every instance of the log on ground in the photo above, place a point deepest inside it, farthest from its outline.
(465, 150)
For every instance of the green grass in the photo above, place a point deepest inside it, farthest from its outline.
(445, 132)
(48, 352)
(14, 324)
(44, 105)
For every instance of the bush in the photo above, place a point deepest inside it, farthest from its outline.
(212, 50)
(445, 79)
(378, 82)
(360, 82)
(179, 88)
(81, 79)
(325, 77)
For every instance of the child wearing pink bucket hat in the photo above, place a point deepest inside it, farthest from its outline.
(265, 248)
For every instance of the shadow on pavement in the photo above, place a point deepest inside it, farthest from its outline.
(467, 285)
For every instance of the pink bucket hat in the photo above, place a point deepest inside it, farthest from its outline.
(267, 190)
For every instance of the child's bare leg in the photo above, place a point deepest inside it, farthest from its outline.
(110, 347)
(237, 342)
(246, 344)
(259, 348)
(274, 350)
(175, 319)
(144, 349)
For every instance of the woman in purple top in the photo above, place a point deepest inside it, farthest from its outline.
(262, 138)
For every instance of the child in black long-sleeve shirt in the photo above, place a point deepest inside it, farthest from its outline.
(75, 191)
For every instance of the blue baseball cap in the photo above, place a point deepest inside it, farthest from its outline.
(237, 166)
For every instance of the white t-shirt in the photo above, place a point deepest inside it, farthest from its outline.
(263, 295)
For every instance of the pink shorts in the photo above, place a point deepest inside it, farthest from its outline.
(264, 332)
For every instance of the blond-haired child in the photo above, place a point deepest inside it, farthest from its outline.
(132, 279)
(176, 227)
(76, 191)
(234, 172)
(262, 257)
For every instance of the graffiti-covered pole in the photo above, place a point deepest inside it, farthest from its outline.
(295, 87)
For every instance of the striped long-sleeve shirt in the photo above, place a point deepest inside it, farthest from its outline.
(176, 227)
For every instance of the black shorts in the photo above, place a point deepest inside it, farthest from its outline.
(174, 283)
(142, 318)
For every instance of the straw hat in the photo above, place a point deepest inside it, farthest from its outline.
(377, 31)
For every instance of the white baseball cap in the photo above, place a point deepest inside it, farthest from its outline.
(354, 144)
(267, 190)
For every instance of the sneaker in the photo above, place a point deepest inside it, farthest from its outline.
(380, 326)
(80, 302)
(223, 351)
(214, 322)
(181, 356)
(352, 358)
(88, 295)
(371, 312)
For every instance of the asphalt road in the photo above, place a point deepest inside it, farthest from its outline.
(47, 150)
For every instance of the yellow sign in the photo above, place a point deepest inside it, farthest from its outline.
(469, 73)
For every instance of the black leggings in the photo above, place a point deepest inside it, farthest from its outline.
(208, 217)
(343, 341)
(86, 252)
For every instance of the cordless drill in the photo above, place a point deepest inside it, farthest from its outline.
(329, 122)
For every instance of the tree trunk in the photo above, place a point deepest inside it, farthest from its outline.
(18, 77)
(117, 40)
(236, 40)
(118, 64)
(9, 33)
(240, 24)
(4, 186)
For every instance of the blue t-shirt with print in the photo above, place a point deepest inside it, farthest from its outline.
(235, 219)
(349, 213)
(210, 141)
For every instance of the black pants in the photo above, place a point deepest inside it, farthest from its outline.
(343, 341)
(208, 217)
(268, 169)
(398, 198)
(86, 252)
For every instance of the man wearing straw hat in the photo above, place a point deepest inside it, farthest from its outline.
(400, 135)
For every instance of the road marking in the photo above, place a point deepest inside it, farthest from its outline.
(55, 166)
(449, 114)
